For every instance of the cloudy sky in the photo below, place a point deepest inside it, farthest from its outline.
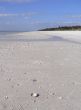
(28, 15)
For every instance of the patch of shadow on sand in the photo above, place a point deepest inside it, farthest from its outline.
(56, 38)
(52, 39)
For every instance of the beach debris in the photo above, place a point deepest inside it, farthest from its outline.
(53, 93)
(18, 84)
(9, 79)
(6, 97)
(34, 101)
(25, 73)
(34, 80)
(60, 98)
(35, 94)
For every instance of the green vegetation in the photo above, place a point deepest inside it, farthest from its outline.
(63, 28)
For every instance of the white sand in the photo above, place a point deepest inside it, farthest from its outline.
(51, 69)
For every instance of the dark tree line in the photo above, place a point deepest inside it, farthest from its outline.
(62, 28)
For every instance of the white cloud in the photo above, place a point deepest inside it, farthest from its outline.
(73, 16)
(5, 15)
(17, 14)
(19, 1)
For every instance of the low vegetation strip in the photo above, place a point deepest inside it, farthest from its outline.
(63, 28)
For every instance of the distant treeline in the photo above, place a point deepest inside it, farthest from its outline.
(62, 28)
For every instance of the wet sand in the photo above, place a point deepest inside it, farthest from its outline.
(40, 71)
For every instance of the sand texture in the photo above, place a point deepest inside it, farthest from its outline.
(40, 71)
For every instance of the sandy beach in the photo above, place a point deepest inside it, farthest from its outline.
(40, 71)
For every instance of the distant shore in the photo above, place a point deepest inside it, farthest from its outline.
(62, 28)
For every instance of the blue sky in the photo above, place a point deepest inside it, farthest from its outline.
(28, 15)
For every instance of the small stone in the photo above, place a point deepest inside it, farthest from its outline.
(34, 80)
(6, 97)
(9, 79)
(34, 101)
(18, 84)
(39, 87)
(60, 98)
(35, 94)
(25, 73)
(53, 93)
